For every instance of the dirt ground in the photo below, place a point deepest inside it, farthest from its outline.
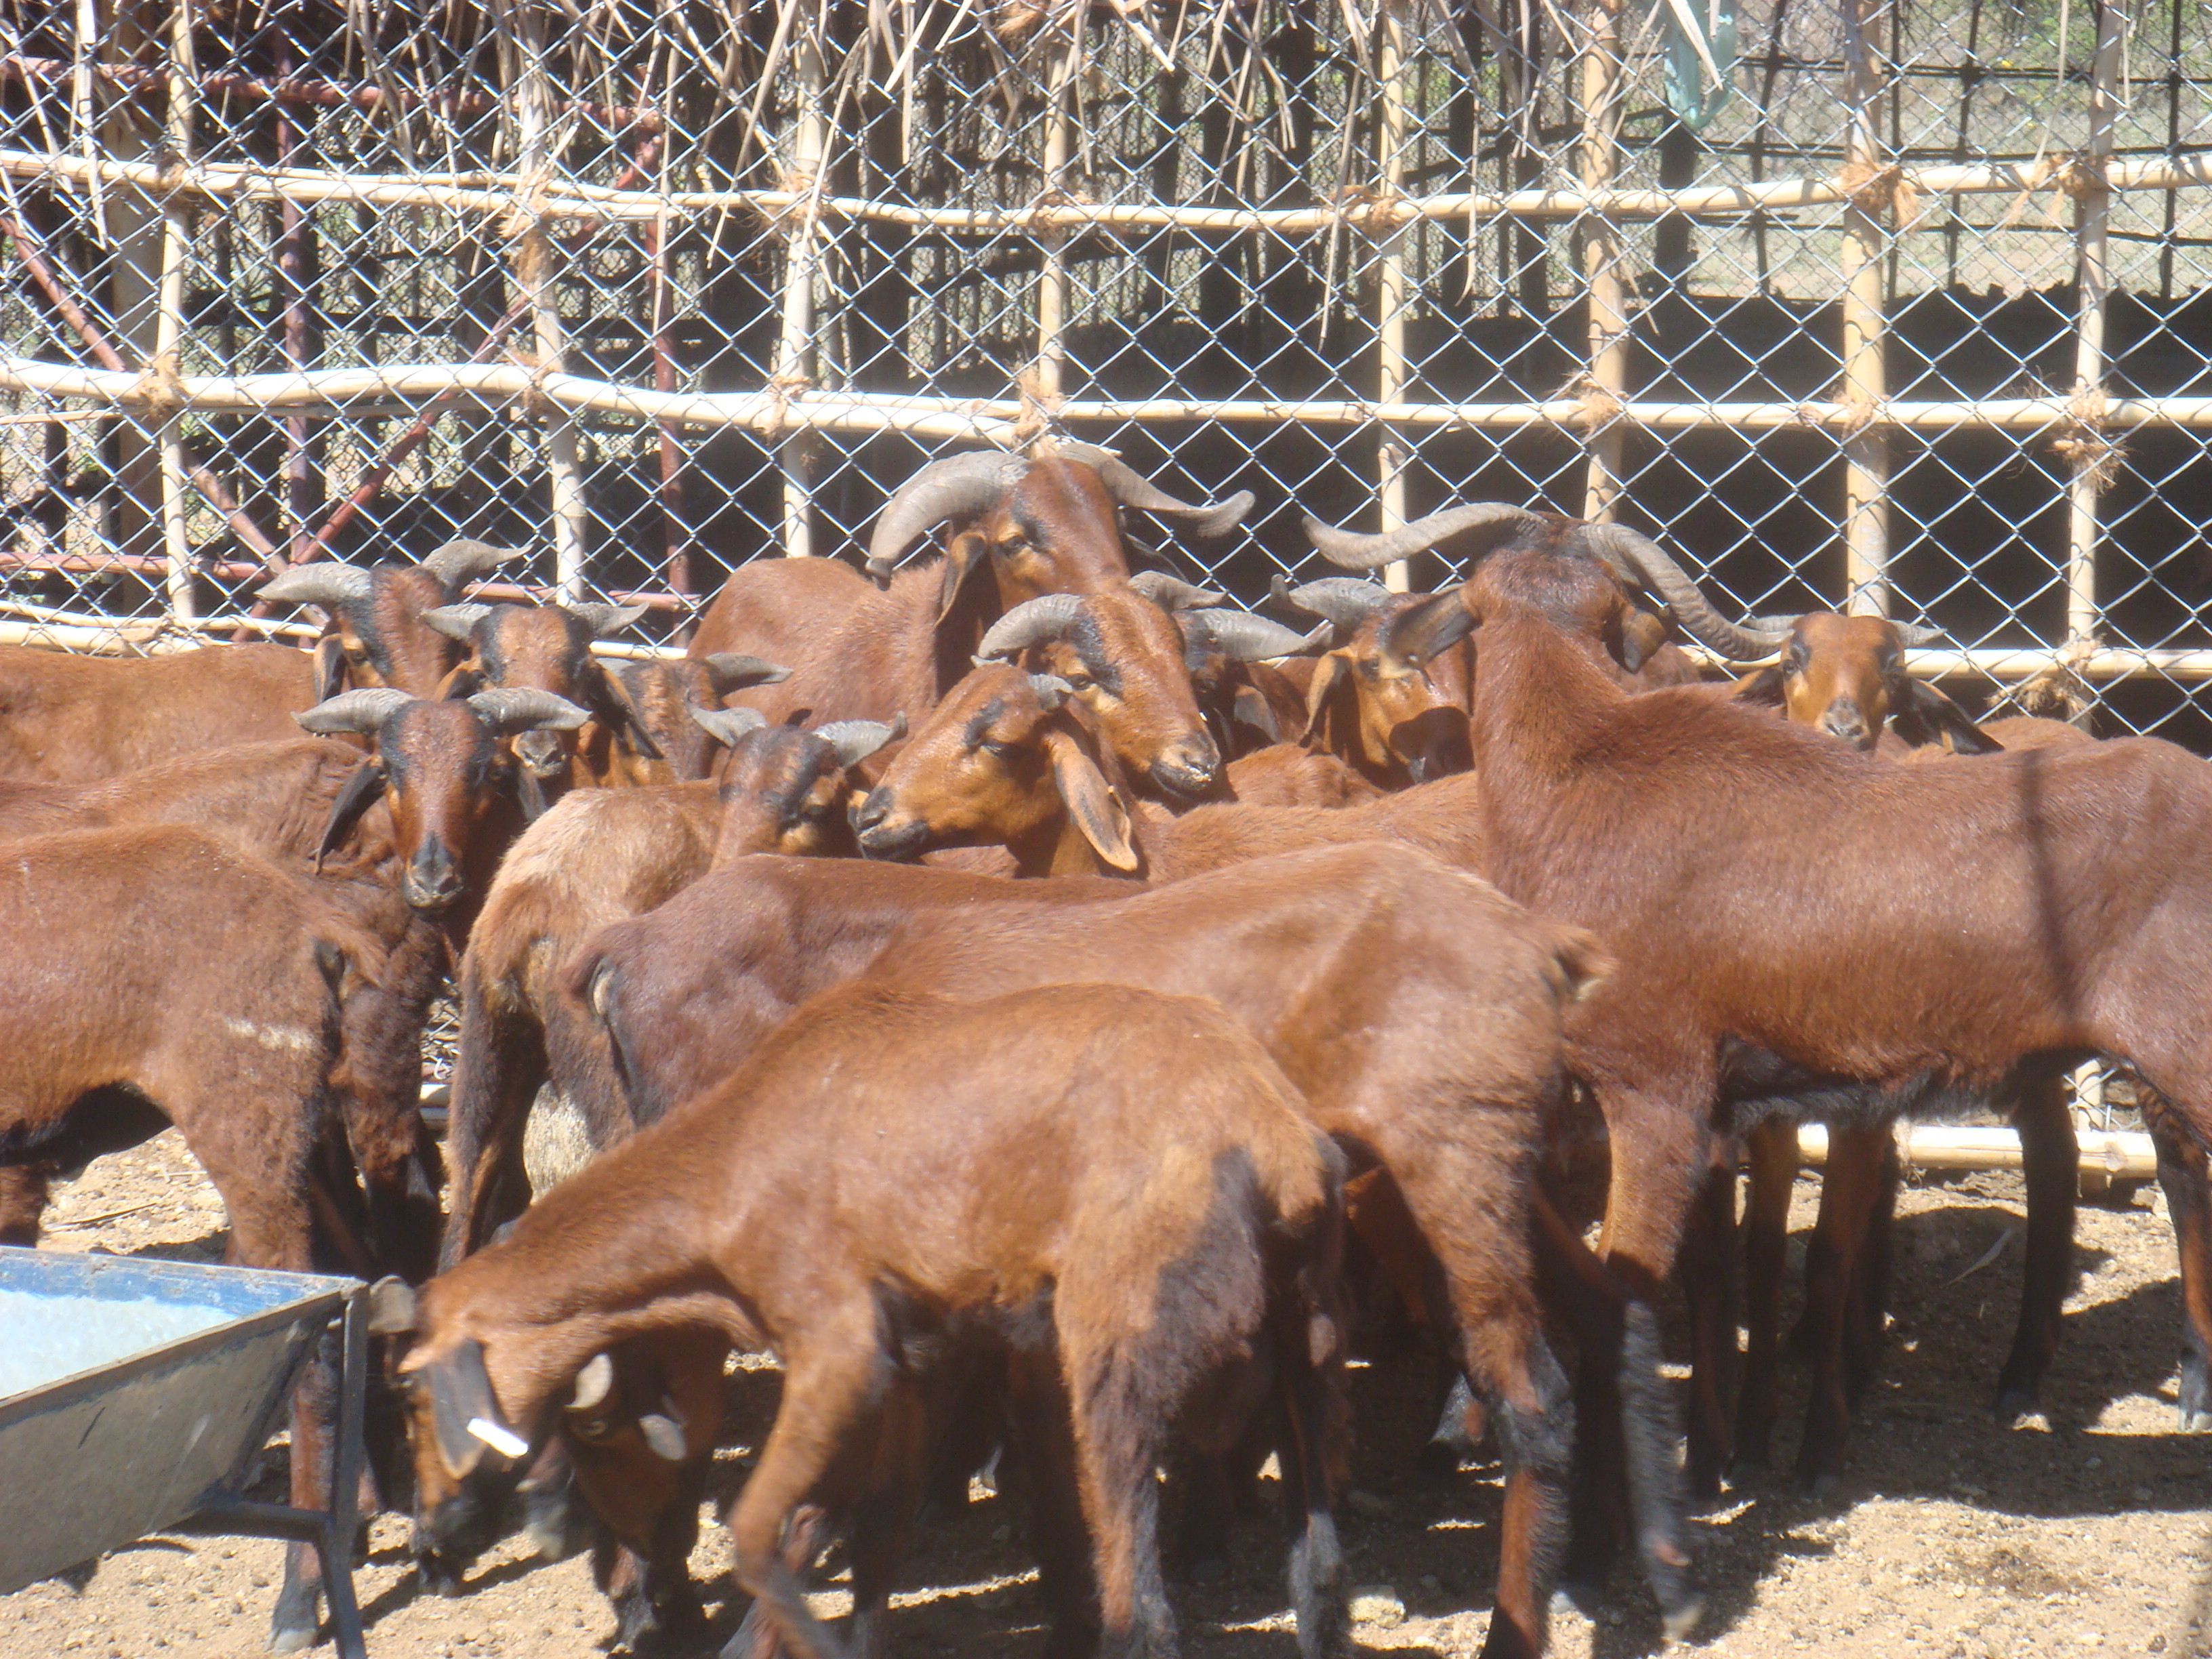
(2084, 1532)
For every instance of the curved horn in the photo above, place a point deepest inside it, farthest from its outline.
(732, 670)
(513, 708)
(1658, 572)
(1051, 690)
(855, 740)
(951, 488)
(606, 619)
(463, 560)
(727, 725)
(594, 1383)
(1045, 617)
(456, 621)
(1243, 637)
(1913, 636)
(1347, 601)
(353, 711)
(323, 583)
(1132, 489)
(1173, 592)
(1357, 552)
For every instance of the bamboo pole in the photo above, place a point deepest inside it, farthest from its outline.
(403, 387)
(495, 193)
(2112, 1155)
(537, 278)
(2089, 452)
(1865, 386)
(795, 350)
(1393, 297)
(1051, 366)
(1603, 262)
(169, 322)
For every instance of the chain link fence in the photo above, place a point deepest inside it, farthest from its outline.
(1851, 300)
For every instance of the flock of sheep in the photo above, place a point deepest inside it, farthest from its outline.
(1348, 932)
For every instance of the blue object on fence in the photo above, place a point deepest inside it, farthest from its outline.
(1700, 36)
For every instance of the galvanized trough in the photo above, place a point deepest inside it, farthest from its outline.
(136, 1397)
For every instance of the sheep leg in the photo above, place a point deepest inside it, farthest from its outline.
(497, 1070)
(22, 1202)
(1498, 1324)
(1307, 1361)
(882, 1519)
(2186, 1180)
(1866, 1308)
(1712, 1290)
(2050, 1162)
(1850, 1197)
(826, 1389)
(1043, 1469)
(1661, 1153)
(1119, 1425)
(805, 1538)
(1772, 1148)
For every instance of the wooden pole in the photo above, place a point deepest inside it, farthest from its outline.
(2088, 450)
(795, 352)
(1604, 264)
(1865, 386)
(537, 276)
(169, 322)
(1393, 296)
(1050, 371)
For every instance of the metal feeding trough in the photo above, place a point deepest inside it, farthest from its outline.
(136, 1397)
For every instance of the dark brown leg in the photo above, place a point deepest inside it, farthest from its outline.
(1772, 1146)
(2186, 1180)
(2050, 1162)
(1707, 1269)
(1851, 1196)
(22, 1201)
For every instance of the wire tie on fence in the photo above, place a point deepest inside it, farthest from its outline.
(1374, 210)
(157, 396)
(1856, 413)
(1596, 406)
(2086, 448)
(1877, 189)
(1038, 411)
(2080, 174)
(775, 421)
(2057, 688)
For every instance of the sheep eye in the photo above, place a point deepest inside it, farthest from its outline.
(1003, 751)
(1080, 682)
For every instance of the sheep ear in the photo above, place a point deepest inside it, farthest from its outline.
(1250, 708)
(1098, 810)
(1328, 701)
(1641, 634)
(460, 1396)
(1762, 685)
(392, 1308)
(1421, 633)
(1940, 720)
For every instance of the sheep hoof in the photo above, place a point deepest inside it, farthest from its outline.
(1678, 1621)
(292, 1627)
(2012, 1405)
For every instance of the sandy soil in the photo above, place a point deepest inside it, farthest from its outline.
(2082, 1533)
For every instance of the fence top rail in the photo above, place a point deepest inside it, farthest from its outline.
(775, 413)
(1375, 213)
